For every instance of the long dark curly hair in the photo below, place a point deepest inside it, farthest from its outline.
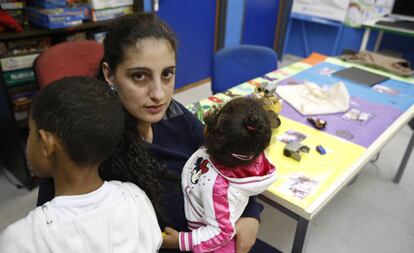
(131, 161)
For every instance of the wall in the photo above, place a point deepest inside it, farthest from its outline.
(194, 23)
(321, 39)
(260, 22)
(250, 22)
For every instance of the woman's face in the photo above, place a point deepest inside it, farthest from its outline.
(145, 79)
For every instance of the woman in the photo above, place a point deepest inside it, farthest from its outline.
(139, 64)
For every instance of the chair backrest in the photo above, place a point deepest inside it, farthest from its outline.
(74, 58)
(235, 65)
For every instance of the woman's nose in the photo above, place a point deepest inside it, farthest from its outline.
(157, 91)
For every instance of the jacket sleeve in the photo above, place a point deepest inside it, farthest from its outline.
(219, 229)
(253, 209)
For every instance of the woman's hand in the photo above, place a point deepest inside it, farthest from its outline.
(246, 232)
(170, 238)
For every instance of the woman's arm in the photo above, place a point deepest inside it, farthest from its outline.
(247, 226)
(253, 209)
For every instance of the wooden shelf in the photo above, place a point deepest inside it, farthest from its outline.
(35, 31)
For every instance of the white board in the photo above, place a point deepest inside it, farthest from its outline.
(330, 9)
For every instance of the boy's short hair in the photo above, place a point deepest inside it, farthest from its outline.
(84, 113)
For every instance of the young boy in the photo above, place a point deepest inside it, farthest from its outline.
(75, 124)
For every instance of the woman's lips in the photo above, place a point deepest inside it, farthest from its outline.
(154, 109)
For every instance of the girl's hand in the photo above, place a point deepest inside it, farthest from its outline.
(246, 233)
(170, 238)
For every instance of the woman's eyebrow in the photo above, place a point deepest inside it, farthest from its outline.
(138, 68)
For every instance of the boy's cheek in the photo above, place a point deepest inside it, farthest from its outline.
(37, 166)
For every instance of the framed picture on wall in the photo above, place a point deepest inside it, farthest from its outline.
(330, 9)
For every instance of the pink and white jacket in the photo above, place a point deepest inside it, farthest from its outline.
(215, 198)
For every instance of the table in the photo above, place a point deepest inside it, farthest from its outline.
(371, 24)
(304, 188)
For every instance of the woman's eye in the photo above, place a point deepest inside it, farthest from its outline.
(167, 74)
(139, 76)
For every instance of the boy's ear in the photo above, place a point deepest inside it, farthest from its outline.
(109, 77)
(48, 142)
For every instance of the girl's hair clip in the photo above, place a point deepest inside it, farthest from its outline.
(212, 113)
(250, 128)
(243, 157)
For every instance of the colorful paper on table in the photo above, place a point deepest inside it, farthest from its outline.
(362, 124)
(397, 94)
(301, 183)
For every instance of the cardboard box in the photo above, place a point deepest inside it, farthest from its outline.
(17, 62)
(18, 77)
(56, 18)
(24, 46)
(12, 5)
(107, 14)
(104, 4)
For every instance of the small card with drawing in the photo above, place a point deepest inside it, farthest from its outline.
(291, 135)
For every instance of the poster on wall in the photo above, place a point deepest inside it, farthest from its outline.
(360, 11)
(330, 9)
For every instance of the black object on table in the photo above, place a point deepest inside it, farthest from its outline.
(360, 76)
(403, 24)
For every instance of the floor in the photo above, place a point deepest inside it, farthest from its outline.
(371, 215)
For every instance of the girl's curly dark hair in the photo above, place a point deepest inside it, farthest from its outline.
(238, 132)
(131, 162)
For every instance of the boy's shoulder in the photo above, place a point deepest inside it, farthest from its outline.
(133, 188)
(16, 237)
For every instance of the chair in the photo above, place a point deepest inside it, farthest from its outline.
(74, 58)
(406, 156)
(235, 65)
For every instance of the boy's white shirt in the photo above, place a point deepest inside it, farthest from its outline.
(118, 217)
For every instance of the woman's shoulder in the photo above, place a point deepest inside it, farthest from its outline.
(178, 128)
(177, 117)
(175, 109)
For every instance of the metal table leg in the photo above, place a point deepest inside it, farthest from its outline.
(300, 235)
(301, 225)
(365, 39)
(378, 41)
(404, 161)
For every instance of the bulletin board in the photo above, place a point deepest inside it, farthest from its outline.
(329, 9)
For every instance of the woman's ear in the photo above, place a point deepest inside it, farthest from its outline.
(48, 142)
(109, 77)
